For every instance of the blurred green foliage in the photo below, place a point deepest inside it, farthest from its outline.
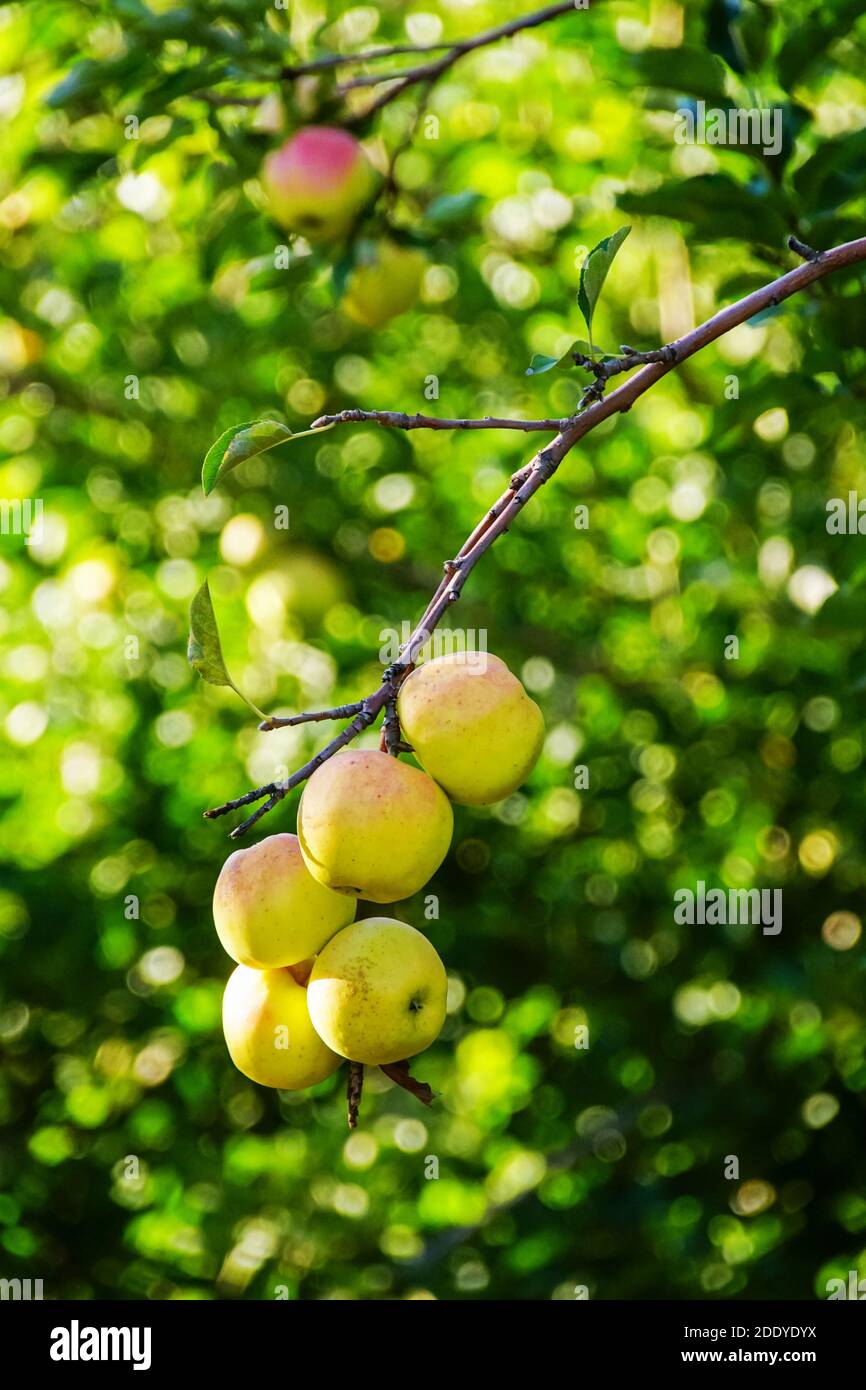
(143, 314)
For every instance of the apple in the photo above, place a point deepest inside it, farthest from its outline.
(318, 182)
(268, 1031)
(472, 725)
(383, 283)
(268, 909)
(377, 992)
(372, 826)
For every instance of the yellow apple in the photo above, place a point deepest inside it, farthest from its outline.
(472, 725)
(268, 909)
(318, 182)
(372, 826)
(268, 1031)
(377, 992)
(384, 284)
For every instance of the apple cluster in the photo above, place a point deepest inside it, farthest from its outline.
(312, 986)
(318, 184)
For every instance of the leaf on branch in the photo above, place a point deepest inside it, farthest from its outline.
(541, 363)
(243, 442)
(204, 650)
(593, 274)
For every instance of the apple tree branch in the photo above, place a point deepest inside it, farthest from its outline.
(524, 484)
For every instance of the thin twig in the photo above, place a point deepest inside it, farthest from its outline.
(432, 71)
(390, 189)
(608, 367)
(220, 99)
(342, 60)
(807, 252)
(399, 420)
(287, 722)
(533, 476)
(275, 791)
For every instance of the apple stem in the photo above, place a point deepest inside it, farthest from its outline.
(354, 1087)
(399, 1072)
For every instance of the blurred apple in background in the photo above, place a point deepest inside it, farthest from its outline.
(318, 182)
(383, 283)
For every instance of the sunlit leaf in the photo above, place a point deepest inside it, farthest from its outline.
(204, 650)
(243, 442)
(593, 274)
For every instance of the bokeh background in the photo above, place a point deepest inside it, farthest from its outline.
(142, 314)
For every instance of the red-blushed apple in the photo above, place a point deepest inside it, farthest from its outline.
(472, 725)
(373, 826)
(318, 182)
(268, 909)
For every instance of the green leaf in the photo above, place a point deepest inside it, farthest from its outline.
(204, 651)
(451, 208)
(243, 442)
(593, 274)
(809, 41)
(716, 206)
(88, 78)
(542, 363)
(340, 273)
(833, 174)
(693, 72)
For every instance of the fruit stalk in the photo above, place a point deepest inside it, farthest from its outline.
(354, 1087)
(399, 1072)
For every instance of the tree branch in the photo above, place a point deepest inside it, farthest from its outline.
(432, 71)
(339, 712)
(527, 481)
(342, 60)
(399, 420)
